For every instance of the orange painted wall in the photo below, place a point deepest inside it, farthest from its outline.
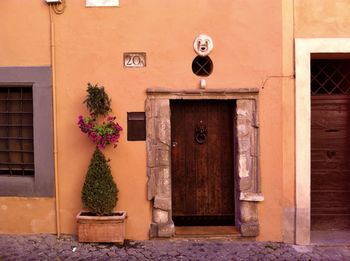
(27, 215)
(25, 33)
(322, 18)
(24, 41)
(288, 122)
(90, 43)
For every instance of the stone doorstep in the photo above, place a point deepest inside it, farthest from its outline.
(211, 232)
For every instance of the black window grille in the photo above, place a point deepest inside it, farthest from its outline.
(202, 66)
(16, 131)
(330, 77)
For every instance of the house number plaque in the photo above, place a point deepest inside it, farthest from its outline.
(134, 60)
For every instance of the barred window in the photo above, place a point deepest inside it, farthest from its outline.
(26, 134)
(330, 77)
(16, 131)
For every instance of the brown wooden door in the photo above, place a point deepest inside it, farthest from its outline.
(330, 163)
(202, 162)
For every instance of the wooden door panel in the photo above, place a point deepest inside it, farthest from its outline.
(199, 157)
(330, 180)
(333, 165)
(221, 164)
(202, 174)
(330, 222)
(179, 179)
(330, 164)
(330, 199)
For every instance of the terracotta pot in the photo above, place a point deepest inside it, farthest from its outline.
(107, 229)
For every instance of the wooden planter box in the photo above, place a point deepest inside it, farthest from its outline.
(98, 229)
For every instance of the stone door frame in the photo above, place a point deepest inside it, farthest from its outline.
(304, 48)
(247, 165)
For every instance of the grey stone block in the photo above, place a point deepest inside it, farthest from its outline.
(153, 231)
(163, 203)
(250, 229)
(249, 212)
(166, 230)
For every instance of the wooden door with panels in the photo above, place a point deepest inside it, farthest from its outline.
(202, 162)
(330, 144)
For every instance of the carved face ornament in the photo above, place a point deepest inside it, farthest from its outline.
(203, 45)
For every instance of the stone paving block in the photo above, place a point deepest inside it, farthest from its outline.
(46, 248)
(302, 249)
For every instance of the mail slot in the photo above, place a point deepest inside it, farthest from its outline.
(136, 126)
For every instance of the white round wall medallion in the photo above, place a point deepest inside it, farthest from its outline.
(203, 45)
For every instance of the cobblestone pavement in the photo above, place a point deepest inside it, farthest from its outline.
(48, 247)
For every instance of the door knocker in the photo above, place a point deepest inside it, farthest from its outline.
(200, 133)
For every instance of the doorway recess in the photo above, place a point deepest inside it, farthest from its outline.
(158, 140)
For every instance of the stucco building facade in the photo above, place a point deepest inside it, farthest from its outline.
(260, 63)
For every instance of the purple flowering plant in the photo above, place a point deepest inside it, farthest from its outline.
(107, 132)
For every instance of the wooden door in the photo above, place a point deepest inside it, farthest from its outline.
(202, 162)
(330, 163)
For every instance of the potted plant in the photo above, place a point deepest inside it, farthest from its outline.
(98, 222)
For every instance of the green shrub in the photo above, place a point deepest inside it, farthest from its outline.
(97, 101)
(100, 193)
